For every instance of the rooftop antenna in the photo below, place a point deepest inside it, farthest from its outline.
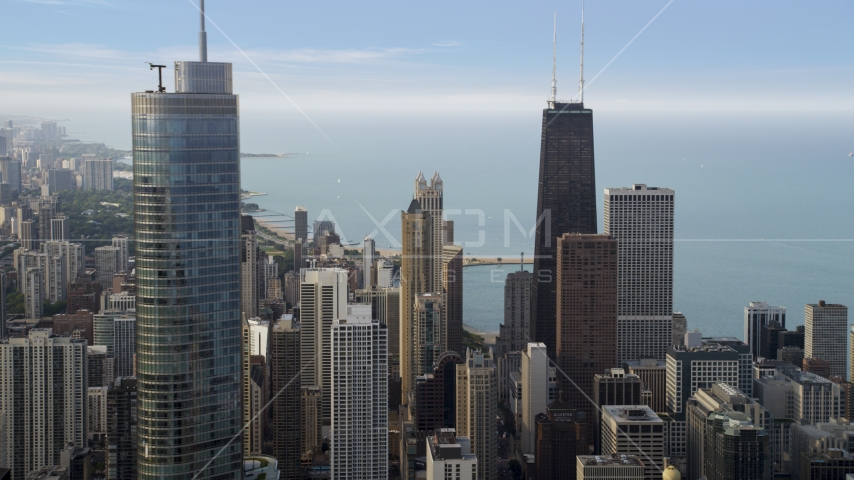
(160, 88)
(581, 82)
(203, 36)
(552, 99)
(522, 263)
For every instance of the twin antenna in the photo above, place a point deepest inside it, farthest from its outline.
(553, 97)
(203, 48)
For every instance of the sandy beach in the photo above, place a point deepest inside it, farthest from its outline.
(488, 338)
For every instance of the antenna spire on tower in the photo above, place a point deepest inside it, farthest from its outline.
(581, 82)
(203, 36)
(553, 98)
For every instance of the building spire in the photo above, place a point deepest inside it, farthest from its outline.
(203, 36)
(581, 82)
(553, 98)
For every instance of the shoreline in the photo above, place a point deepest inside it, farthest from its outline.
(488, 337)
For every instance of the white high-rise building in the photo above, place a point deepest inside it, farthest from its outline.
(385, 273)
(124, 344)
(450, 457)
(477, 407)
(55, 276)
(825, 329)
(123, 261)
(431, 199)
(369, 252)
(635, 430)
(641, 219)
(323, 300)
(74, 254)
(44, 397)
(535, 395)
(756, 316)
(259, 331)
(359, 423)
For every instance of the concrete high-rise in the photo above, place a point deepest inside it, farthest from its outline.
(586, 313)
(736, 448)
(73, 253)
(33, 293)
(566, 203)
(369, 252)
(756, 316)
(614, 387)
(537, 377)
(449, 456)
(825, 329)
(515, 332)
(286, 388)
(124, 344)
(43, 397)
(59, 180)
(635, 430)
(107, 262)
(60, 229)
(122, 243)
(187, 237)
(323, 300)
(640, 218)
(250, 294)
(98, 174)
(452, 287)
(431, 199)
(415, 277)
(359, 427)
(121, 429)
(477, 407)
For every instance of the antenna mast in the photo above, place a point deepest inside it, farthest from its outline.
(554, 65)
(581, 82)
(203, 36)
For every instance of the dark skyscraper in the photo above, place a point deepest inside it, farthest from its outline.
(186, 161)
(566, 200)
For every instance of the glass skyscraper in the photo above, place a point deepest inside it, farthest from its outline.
(566, 203)
(186, 165)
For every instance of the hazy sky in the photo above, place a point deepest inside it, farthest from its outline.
(80, 59)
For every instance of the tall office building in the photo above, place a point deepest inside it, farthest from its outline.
(60, 229)
(369, 251)
(477, 407)
(756, 316)
(27, 235)
(187, 227)
(286, 388)
(640, 218)
(566, 199)
(121, 429)
(586, 314)
(97, 173)
(107, 263)
(60, 180)
(10, 172)
(43, 397)
(100, 366)
(415, 277)
(561, 436)
(653, 374)
(825, 329)
(429, 335)
(3, 285)
(301, 230)
(514, 333)
(54, 278)
(121, 242)
(614, 387)
(431, 199)
(323, 300)
(359, 427)
(250, 293)
(537, 378)
(691, 368)
(452, 287)
(124, 344)
(635, 430)
(385, 307)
